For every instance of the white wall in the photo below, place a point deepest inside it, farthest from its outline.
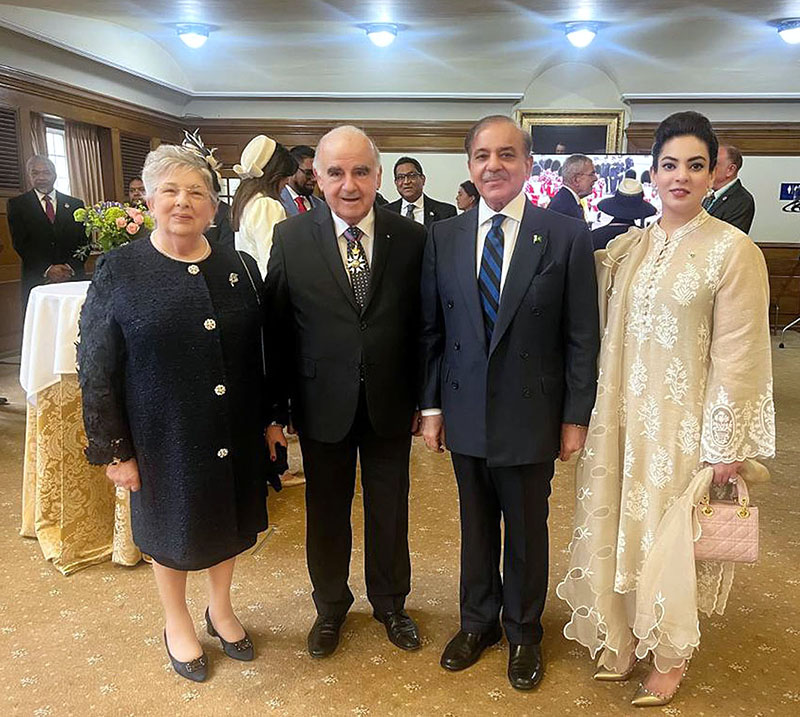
(443, 174)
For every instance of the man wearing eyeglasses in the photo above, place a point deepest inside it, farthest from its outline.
(409, 180)
(297, 196)
(578, 176)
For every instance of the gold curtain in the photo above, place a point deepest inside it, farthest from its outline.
(83, 161)
(38, 136)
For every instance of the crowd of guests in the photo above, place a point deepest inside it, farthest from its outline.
(490, 333)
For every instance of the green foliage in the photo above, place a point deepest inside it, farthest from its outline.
(111, 224)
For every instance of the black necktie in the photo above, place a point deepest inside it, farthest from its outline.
(357, 264)
(410, 211)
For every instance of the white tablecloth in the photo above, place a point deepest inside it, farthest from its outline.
(49, 336)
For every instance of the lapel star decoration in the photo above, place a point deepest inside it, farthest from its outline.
(233, 278)
(536, 238)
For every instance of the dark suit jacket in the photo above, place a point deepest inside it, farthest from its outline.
(222, 232)
(564, 203)
(291, 207)
(40, 243)
(602, 235)
(506, 402)
(736, 207)
(319, 344)
(432, 210)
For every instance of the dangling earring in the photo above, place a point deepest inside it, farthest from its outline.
(709, 192)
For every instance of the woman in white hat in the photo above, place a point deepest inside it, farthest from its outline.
(625, 208)
(264, 169)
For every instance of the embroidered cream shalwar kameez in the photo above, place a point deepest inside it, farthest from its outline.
(685, 377)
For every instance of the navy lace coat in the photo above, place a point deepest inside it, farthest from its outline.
(171, 372)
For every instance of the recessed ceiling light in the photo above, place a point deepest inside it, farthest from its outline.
(580, 34)
(381, 34)
(789, 30)
(193, 35)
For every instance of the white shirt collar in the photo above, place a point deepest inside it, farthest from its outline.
(41, 195)
(366, 225)
(719, 192)
(292, 193)
(419, 203)
(513, 210)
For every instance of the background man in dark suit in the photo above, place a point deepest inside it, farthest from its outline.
(410, 181)
(343, 307)
(509, 346)
(578, 176)
(297, 196)
(43, 231)
(731, 201)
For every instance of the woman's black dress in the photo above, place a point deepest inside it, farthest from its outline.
(171, 370)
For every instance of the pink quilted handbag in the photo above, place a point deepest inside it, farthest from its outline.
(729, 530)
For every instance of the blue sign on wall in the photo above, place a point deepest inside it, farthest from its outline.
(790, 190)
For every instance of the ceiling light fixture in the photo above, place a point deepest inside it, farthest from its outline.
(381, 34)
(580, 34)
(789, 30)
(193, 35)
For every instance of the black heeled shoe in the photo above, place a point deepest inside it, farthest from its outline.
(195, 670)
(239, 650)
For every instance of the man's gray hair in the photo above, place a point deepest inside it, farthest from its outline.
(573, 166)
(165, 159)
(40, 159)
(345, 129)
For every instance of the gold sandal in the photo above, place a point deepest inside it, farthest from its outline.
(606, 675)
(650, 698)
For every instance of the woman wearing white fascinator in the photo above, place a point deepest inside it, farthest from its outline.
(264, 168)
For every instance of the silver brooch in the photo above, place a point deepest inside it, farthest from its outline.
(233, 278)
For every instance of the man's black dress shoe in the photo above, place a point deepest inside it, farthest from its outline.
(195, 670)
(401, 629)
(239, 650)
(525, 666)
(324, 636)
(466, 647)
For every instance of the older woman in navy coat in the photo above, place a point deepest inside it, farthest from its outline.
(170, 355)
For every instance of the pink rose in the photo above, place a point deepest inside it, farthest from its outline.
(121, 222)
(132, 228)
(132, 212)
(139, 219)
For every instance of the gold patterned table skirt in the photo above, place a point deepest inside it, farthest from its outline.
(69, 506)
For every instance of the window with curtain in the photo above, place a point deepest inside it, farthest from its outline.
(57, 152)
(82, 142)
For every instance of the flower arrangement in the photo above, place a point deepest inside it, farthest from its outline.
(111, 224)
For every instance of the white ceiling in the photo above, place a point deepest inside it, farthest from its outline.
(490, 47)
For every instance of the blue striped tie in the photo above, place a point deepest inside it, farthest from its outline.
(490, 273)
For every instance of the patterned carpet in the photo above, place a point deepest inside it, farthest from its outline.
(91, 644)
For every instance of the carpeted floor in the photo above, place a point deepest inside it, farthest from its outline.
(91, 644)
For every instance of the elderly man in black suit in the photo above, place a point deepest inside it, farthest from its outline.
(43, 231)
(343, 313)
(578, 176)
(730, 202)
(509, 347)
(413, 203)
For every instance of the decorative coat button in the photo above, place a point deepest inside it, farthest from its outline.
(523, 355)
(210, 324)
(457, 346)
(526, 392)
(454, 385)
(450, 304)
(219, 390)
(363, 325)
(222, 452)
(193, 269)
(536, 311)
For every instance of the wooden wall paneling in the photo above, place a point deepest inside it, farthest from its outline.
(116, 158)
(783, 265)
(778, 139)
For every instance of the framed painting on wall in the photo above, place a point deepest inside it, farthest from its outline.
(570, 132)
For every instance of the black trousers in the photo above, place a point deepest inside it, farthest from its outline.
(519, 495)
(330, 470)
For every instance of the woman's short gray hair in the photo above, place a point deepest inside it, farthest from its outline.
(165, 159)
